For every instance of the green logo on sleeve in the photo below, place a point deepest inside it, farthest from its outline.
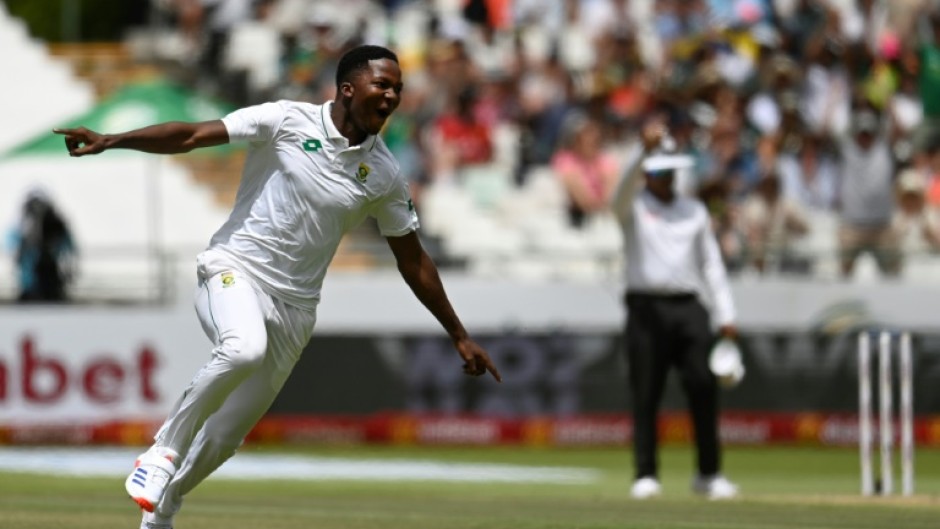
(312, 145)
(411, 205)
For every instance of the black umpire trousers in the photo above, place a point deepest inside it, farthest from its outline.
(665, 331)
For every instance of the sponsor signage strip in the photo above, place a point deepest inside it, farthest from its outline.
(407, 429)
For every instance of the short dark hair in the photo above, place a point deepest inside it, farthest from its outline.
(358, 59)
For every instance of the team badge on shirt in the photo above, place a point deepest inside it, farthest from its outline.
(363, 172)
(312, 145)
(228, 279)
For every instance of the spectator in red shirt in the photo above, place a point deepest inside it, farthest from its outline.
(459, 138)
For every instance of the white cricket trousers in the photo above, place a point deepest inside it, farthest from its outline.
(258, 339)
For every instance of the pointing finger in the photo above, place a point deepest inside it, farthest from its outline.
(67, 132)
(493, 371)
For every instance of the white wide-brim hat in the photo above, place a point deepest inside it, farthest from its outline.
(665, 162)
(726, 363)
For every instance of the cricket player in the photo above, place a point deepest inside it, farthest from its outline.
(313, 172)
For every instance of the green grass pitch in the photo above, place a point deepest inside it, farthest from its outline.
(783, 488)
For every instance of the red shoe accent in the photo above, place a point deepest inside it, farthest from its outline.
(144, 504)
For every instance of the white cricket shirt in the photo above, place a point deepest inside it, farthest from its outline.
(670, 247)
(302, 188)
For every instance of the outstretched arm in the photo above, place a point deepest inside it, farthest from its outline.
(419, 271)
(166, 138)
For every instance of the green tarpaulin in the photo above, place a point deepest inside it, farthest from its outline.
(134, 106)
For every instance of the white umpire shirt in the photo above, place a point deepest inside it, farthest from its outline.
(302, 188)
(670, 247)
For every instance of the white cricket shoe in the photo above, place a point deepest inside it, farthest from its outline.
(715, 487)
(152, 521)
(645, 488)
(153, 471)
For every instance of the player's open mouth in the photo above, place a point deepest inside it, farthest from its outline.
(383, 113)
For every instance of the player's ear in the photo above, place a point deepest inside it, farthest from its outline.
(346, 88)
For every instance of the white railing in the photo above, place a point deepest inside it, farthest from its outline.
(109, 276)
(144, 276)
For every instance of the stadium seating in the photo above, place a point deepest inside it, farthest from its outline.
(44, 91)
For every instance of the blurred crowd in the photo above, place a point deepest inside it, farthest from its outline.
(795, 110)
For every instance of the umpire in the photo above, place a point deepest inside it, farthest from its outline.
(672, 258)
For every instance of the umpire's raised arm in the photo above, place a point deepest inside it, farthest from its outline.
(621, 199)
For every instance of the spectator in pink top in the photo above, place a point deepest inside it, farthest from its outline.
(585, 170)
